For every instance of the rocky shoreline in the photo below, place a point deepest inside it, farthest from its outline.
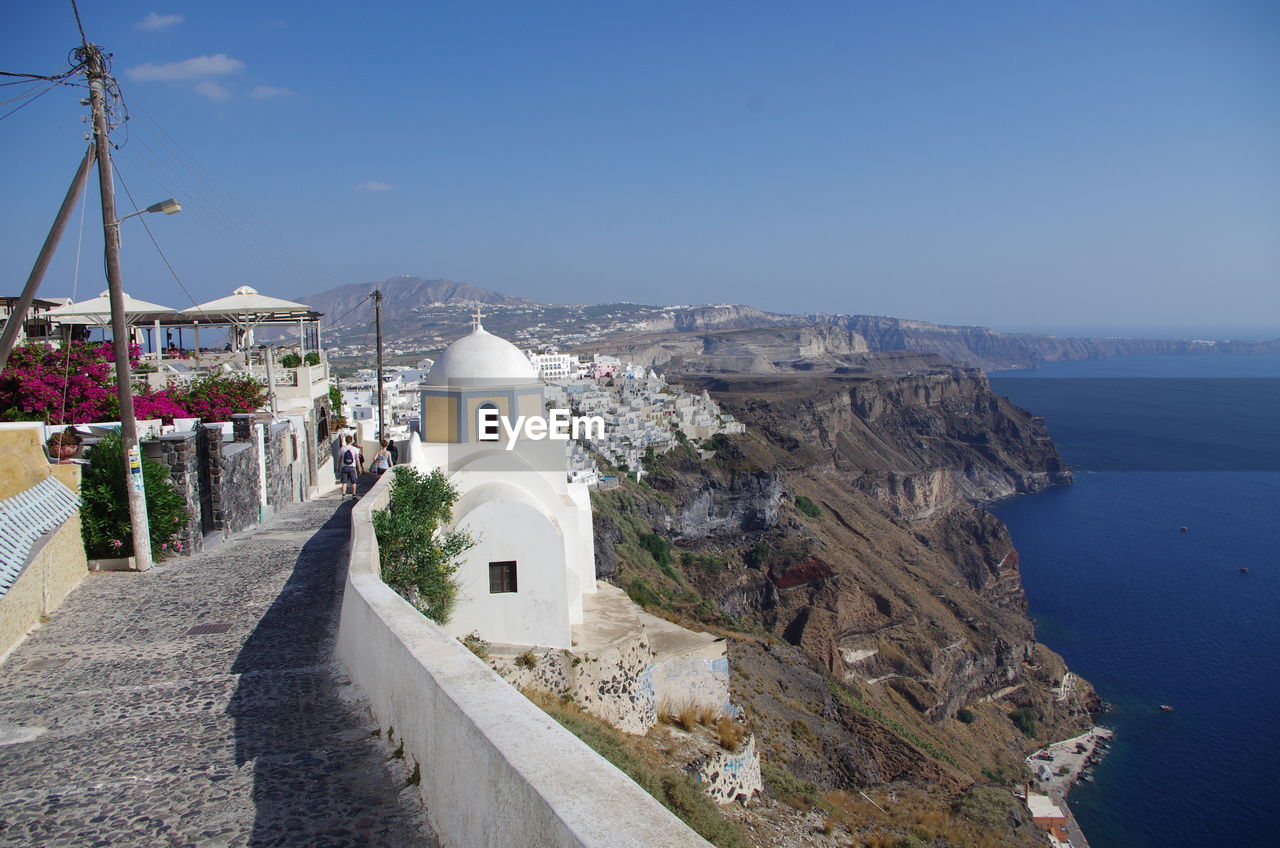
(1058, 766)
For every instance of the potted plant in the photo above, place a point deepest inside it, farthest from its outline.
(291, 360)
(63, 444)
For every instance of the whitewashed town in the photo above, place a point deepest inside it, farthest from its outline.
(642, 412)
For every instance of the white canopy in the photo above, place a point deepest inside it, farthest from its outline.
(98, 311)
(245, 305)
(246, 309)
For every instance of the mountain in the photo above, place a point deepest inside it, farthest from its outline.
(426, 314)
(403, 295)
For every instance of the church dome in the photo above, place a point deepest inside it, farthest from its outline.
(481, 358)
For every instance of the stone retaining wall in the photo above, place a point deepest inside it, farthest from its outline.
(179, 452)
(233, 477)
(280, 453)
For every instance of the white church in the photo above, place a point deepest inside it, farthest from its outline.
(534, 559)
(529, 579)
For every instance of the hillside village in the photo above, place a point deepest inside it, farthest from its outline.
(643, 414)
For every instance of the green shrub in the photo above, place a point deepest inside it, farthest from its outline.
(104, 516)
(808, 507)
(1025, 721)
(290, 360)
(658, 548)
(759, 555)
(997, 776)
(642, 592)
(417, 561)
(788, 788)
(966, 715)
(312, 357)
(706, 562)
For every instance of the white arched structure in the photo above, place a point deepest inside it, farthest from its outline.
(534, 557)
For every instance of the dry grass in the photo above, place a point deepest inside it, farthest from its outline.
(730, 733)
(911, 817)
(687, 715)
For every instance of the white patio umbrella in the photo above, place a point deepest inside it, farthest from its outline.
(245, 308)
(97, 311)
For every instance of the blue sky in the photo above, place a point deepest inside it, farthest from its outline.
(1097, 167)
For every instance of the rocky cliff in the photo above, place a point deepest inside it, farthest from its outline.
(845, 531)
(991, 350)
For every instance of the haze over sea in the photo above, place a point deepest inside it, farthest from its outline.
(1153, 615)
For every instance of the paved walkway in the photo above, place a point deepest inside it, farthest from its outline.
(195, 705)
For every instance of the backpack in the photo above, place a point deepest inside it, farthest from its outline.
(349, 456)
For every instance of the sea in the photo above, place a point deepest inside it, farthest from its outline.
(1136, 574)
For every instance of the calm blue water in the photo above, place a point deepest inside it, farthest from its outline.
(1151, 615)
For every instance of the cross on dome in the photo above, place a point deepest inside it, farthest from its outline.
(475, 319)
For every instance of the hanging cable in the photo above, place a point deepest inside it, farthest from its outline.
(155, 243)
(75, 287)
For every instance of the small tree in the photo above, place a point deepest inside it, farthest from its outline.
(419, 557)
(104, 516)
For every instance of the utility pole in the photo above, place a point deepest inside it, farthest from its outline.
(18, 315)
(377, 320)
(97, 74)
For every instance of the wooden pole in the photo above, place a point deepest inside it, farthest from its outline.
(377, 318)
(119, 330)
(18, 315)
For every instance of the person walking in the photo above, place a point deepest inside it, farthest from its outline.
(382, 460)
(348, 466)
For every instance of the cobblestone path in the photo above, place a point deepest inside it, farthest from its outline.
(196, 705)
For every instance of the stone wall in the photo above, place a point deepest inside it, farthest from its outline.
(698, 677)
(281, 455)
(179, 452)
(233, 476)
(730, 775)
(613, 684)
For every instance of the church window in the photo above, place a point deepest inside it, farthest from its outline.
(502, 577)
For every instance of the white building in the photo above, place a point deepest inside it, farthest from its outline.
(554, 366)
(523, 583)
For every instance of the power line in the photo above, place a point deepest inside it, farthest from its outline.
(30, 100)
(155, 243)
(210, 212)
(334, 322)
(263, 230)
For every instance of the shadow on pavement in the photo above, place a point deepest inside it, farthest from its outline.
(318, 776)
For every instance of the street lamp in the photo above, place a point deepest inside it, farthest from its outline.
(135, 491)
(168, 207)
